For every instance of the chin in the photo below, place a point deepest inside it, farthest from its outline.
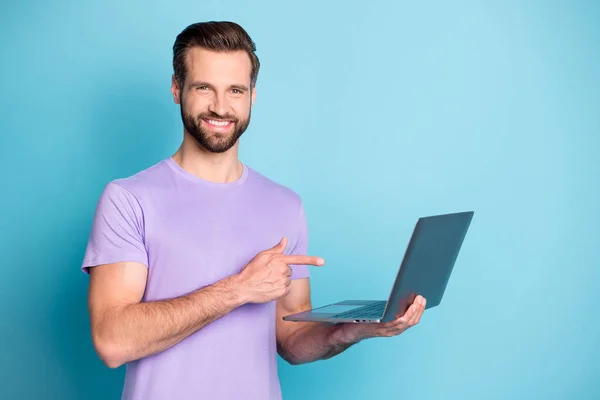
(216, 146)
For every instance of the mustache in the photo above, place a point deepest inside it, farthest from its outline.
(213, 115)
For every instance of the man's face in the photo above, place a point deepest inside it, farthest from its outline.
(215, 98)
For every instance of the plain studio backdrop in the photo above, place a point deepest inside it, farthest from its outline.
(376, 113)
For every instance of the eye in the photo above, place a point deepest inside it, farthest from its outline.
(203, 87)
(236, 91)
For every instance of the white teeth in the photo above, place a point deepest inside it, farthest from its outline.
(218, 123)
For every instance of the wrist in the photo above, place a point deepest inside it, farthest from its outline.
(234, 290)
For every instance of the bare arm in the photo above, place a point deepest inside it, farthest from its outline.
(303, 342)
(125, 329)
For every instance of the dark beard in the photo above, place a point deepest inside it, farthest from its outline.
(215, 143)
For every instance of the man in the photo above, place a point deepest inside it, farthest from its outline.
(194, 261)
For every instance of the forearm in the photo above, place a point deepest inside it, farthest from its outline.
(138, 330)
(315, 341)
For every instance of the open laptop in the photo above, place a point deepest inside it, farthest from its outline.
(424, 270)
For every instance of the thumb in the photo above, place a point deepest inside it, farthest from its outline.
(279, 247)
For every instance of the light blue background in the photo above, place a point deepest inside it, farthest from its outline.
(376, 113)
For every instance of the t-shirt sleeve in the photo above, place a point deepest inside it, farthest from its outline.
(117, 232)
(301, 246)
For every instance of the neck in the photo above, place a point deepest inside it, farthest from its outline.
(219, 168)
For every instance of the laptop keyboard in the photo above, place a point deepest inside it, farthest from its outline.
(370, 311)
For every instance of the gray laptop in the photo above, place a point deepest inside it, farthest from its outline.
(425, 270)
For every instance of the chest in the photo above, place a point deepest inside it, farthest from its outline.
(196, 242)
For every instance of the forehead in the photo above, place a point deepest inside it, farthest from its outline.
(218, 67)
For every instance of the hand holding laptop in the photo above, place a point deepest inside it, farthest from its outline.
(412, 316)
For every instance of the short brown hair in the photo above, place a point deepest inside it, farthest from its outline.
(217, 36)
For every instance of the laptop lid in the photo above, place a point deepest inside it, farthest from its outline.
(428, 261)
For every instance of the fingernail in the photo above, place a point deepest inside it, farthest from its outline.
(320, 261)
(422, 301)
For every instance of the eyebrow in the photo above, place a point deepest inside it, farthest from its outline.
(200, 83)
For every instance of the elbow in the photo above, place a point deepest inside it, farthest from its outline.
(288, 356)
(108, 351)
(111, 362)
(293, 361)
(290, 359)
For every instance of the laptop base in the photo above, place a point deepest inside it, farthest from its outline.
(348, 311)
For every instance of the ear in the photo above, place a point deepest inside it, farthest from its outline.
(253, 97)
(175, 90)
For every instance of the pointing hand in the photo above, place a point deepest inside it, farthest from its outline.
(267, 275)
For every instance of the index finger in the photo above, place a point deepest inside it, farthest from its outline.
(302, 260)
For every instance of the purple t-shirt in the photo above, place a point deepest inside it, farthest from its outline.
(190, 233)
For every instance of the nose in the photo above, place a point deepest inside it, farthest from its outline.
(218, 104)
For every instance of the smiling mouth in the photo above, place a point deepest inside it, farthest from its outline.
(218, 124)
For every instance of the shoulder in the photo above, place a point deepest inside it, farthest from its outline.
(136, 188)
(141, 181)
(127, 195)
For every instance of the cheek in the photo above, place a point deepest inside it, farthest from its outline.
(242, 108)
(193, 107)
